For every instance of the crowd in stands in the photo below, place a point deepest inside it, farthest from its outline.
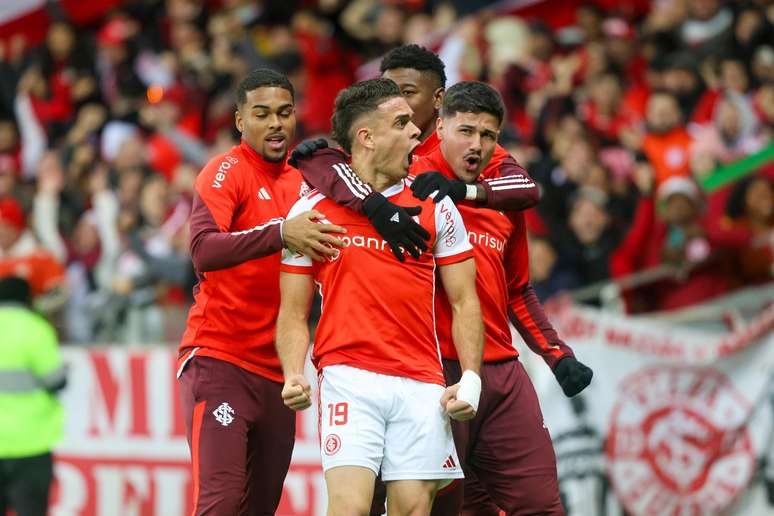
(620, 110)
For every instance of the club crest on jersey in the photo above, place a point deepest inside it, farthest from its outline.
(304, 190)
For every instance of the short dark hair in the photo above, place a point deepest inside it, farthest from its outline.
(416, 58)
(473, 97)
(15, 289)
(355, 101)
(262, 78)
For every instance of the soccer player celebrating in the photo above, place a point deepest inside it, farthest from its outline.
(240, 434)
(510, 466)
(507, 449)
(380, 376)
(419, 73)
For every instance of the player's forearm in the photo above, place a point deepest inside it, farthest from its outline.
(514, 190)
(331, 175)
(292, 343)
(213, 249)
(468, 332)
(530, 320)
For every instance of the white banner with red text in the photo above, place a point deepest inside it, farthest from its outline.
(676, 421)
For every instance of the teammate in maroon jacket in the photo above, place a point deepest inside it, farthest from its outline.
(240, 433)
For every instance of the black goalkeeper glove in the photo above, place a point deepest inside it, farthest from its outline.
(429, 182)
(396, 225)
(573, 376)
(305, 149)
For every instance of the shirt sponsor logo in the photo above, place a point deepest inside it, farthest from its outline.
(224, 414)
(223, 168)
(449, 228)
(263, 194)
(486, 240)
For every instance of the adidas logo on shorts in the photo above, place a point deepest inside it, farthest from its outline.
(449, 464)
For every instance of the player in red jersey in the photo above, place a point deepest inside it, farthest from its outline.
(380, 373)
(508, 466)
(240, 434)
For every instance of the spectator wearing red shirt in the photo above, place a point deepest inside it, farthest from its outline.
(669, 230)
(667, 143)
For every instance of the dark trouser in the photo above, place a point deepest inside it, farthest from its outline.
(25, 484)
(506, 451)
(241, 437)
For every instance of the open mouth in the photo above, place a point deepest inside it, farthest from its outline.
(276, 141)
(472, 162)
(410, 155)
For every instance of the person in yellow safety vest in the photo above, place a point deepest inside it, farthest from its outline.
(31, 417)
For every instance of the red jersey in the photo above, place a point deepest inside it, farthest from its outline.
(378, 313)
(239, 205)
(499, 243)
(669, 153)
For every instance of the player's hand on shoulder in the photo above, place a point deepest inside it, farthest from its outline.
(456, 408)
(304, 234)
(396, 225)
(297, 393)
(429, 182)
(305, 150)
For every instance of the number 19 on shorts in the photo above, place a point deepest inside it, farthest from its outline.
(338, 413)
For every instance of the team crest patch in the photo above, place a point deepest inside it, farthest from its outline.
(304, 189)
(224, 414)
(678, 443)
(332, 444)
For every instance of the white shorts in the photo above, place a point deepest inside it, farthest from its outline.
(386, 423)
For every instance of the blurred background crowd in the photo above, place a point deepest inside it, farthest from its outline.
(623, 111)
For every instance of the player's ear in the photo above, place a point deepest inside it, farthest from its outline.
(238, 121)
(365, 137)
(439, 127)
(438, 98)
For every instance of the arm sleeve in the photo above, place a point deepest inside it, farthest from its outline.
(106, 208)
(292, 261)
(33, 137)
(215, 202)
(626, 259)
(527, 314)
(45, 208)
(508, 185)
(46, 358)
(329, 172)
(451, 238)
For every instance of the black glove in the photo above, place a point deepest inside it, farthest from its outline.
(572, 375)
(396, 225)
(429, 182)
(305, 149)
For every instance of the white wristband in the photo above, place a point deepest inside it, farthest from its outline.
(471, 194)
(470, 388)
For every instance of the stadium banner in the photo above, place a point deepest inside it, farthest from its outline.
(676, 421)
